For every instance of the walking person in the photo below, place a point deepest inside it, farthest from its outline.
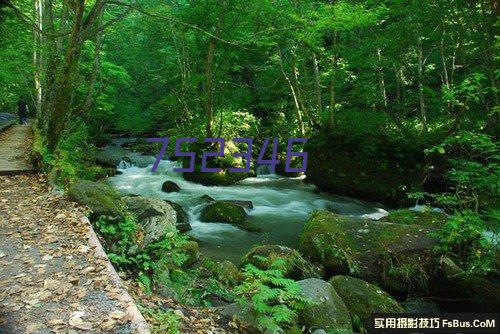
(22, 111)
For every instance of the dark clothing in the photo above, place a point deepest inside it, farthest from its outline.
(22, 108)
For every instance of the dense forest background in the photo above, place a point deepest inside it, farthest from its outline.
(399, 99)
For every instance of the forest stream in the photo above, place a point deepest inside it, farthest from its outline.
(280, 204)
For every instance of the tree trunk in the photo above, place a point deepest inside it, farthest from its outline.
(317, 84)
(66, 78)
(294, 94)
(381, 81)
(423, 114)
(333, 80)
(37, 58)
(209, 71)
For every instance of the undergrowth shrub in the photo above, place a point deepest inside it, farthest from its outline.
(273, 299)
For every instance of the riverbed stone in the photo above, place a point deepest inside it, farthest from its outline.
(294, 265)
(223, 212)
(397, 256)
(362, 298)
(156, 216)
(327, 309)
(102, 199)
(182, 223)
(245, 204)
(170, 186)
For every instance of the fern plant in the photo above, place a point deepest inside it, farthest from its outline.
(273, 299)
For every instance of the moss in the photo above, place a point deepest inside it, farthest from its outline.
(223, 212)
(362, 298)
(363, 248)
(99, 197)
(192, 251)
(426, 218)
(295, 266)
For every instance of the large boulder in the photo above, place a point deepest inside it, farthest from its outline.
(99, 197)
(362, 298)
(294, 265)
(398, 256)
(327, 310)
(156, 216)
(374, 165)
(170, 186)
(223, 212)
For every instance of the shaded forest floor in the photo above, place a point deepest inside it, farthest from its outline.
(50, 281)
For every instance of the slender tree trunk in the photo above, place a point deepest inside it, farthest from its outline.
(298, 90)
(209, 72)
(423, 114)
(96, 66)
(317, 84)
(333, 80)
(381, 81)
(294, 94)
(37, 59)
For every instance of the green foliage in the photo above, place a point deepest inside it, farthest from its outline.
(274, 300)
(162, 321)
(71, 160)
(462, 238)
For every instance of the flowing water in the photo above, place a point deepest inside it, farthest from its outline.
(281, 205)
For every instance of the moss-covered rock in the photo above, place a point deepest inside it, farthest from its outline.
(191, 249)
(99, 197)
(374, 165)
(430, 219)
(228, 273)
(362, 298)
(327, 309)
(397, 256)
(294, 265)
(223, 212)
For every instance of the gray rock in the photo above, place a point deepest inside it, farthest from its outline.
(156, 216)
(327, 311)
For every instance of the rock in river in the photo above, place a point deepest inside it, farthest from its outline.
(170, 186)
(223, 212)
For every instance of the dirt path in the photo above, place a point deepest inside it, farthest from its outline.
(13, 144)
(50, 279)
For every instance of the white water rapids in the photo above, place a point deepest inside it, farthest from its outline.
(281, 205)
